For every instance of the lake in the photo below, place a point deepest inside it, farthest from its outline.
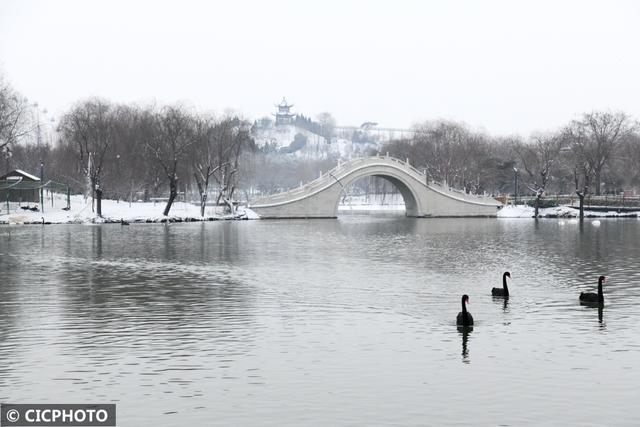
(324, 322)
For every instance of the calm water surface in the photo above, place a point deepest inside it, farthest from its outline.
(327, 322)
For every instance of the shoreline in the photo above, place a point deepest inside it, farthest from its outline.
(117, 212)
(169, 219)
(150, 213)
(562, 212)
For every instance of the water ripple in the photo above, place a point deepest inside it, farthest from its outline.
(348, 322)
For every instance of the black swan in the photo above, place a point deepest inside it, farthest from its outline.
(593, 298)
(504, 291)
(123, 222)
(464, 317)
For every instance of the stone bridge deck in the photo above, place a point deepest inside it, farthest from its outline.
(320, 198)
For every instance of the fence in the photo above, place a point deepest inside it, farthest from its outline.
(607, 200)
(33, 195)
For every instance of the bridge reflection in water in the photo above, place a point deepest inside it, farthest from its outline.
(422, 198)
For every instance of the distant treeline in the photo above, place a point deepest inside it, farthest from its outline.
(131, 152)
(140, 152)
(600, 152)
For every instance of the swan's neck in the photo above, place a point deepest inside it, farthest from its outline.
(504, 284)
(600, 293)
(464, 307)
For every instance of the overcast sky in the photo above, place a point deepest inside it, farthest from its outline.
(504, 66)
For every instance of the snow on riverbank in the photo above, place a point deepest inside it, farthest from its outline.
(114, 211)
(564, 211)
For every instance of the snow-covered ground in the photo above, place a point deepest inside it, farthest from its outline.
(521, 211)
(394, 202)
(316, 147)
(113, 211)
(509, 211)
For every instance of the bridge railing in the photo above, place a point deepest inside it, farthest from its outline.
(344, 167)
(405, 164)
(297, 191)
(324, 179)
(441, 186)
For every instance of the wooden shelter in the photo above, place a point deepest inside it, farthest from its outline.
(19, 186)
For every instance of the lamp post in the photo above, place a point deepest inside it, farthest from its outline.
(118, 177)
(41, 186)
(515, 185)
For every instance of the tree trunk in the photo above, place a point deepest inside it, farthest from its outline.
(173, 192)
(581, 196)
(232, 208)
(92, 190)
(203, 202)
(537, 207)
(99, 201)
(202, 189)
(597, 181)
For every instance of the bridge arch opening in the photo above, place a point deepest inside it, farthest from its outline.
(368, 192)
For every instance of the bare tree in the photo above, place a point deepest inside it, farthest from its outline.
(129, 164)
(630, 159)
(14, 116)
(577, 140)
(327, 124)
(230, 136)
(453, 154)
(89, 129)
(602, 131)
(539, 158)
(205, 161)
(173, 136)
(496, 162)
(448, 151)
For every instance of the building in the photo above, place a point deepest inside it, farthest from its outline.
(19, 186)
(284, 116)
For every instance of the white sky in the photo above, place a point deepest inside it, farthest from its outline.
(505, 66)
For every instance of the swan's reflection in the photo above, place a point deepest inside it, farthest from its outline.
(465, 331)
(600, 316)
(600, 311)
(504, 301)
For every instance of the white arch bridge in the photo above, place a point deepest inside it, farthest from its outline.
(422, 198)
